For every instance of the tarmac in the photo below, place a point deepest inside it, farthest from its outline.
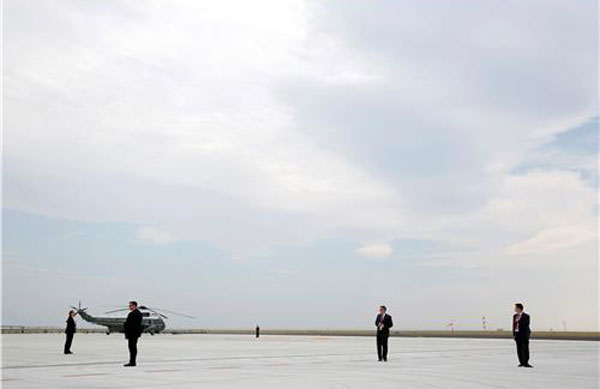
(242, 361)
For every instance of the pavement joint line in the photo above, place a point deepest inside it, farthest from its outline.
(162, 371)
(84, 375)
(17, 367)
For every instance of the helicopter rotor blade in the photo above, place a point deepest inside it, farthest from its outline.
(174, 313)
(157, 311)
(152, 310)
(77, 309)
(141, 307)
(117, 310)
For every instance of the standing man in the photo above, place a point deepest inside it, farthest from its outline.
(70, 331)
(521, 334)
(383, 322)
(133, 330)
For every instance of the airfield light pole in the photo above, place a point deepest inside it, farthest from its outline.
(451, 325)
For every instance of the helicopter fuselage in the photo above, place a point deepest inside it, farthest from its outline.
(151, 324)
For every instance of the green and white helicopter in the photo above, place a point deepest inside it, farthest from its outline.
(152, 321)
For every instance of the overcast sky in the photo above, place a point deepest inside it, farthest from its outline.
(298, 163)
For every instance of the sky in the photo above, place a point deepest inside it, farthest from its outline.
(298, 163)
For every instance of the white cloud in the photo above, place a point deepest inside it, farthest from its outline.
(157, 99)
(543, 200)
(376, 250)
(252, 125)
(553, 239)
(154, 236)
(189, 117)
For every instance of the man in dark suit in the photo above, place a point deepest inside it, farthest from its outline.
(383, 322)
(133, 330)
(70, 331)
(521, 333)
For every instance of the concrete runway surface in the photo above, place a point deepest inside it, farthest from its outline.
(237, 361)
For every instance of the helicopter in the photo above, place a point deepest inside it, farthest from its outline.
(152, 319)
